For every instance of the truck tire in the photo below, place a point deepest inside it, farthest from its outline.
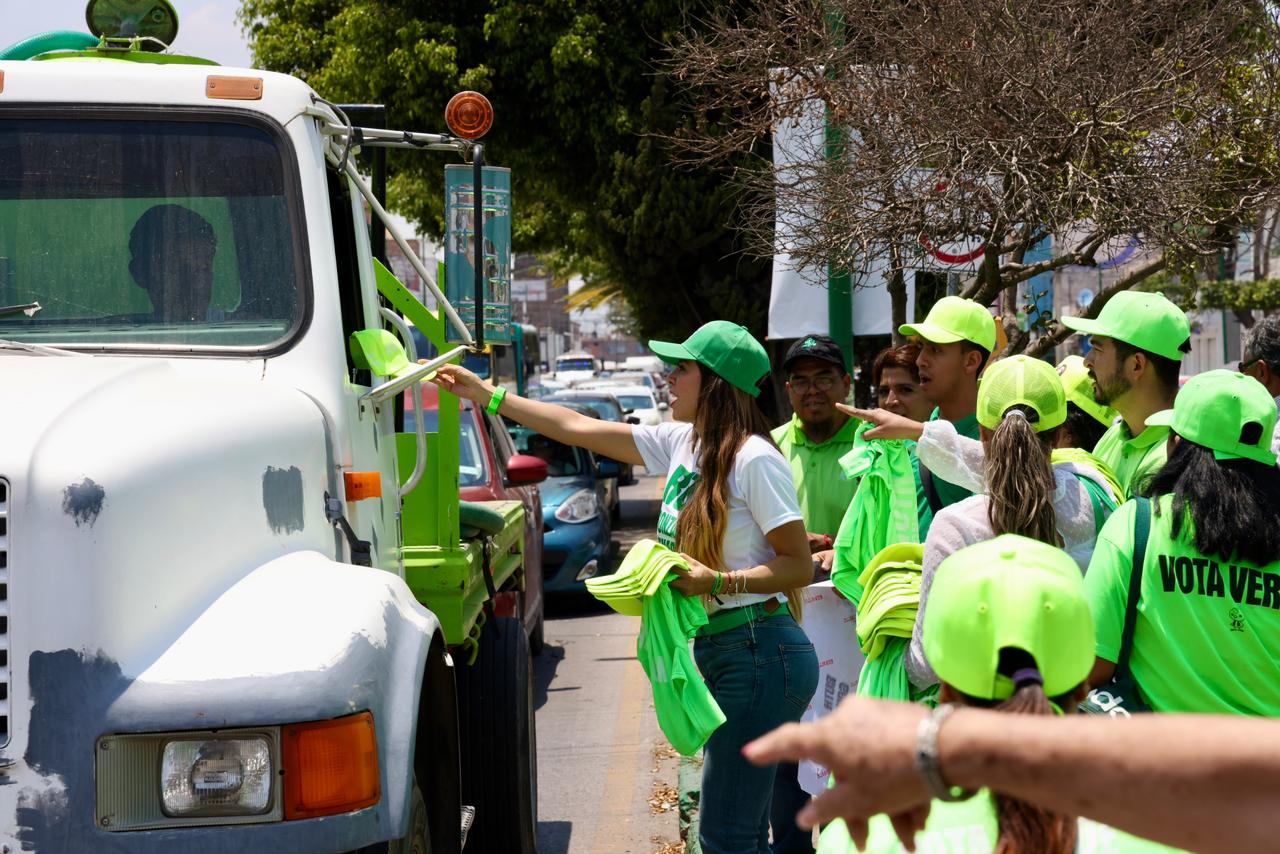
(418, 840)
(499, 745)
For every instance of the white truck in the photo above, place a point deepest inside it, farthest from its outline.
(212, 635)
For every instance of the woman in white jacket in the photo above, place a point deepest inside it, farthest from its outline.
(1021, 406)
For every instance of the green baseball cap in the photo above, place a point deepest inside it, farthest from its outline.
(1010, 591)
(955, 319)
(1217, 408)
(1146, 321)
(1078, 385)
(1021, 380)
(726, 348)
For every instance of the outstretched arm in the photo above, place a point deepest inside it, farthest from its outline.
(1207, 783)
(609, 438)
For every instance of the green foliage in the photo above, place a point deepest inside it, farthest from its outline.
(1191, 293)
(579, 111)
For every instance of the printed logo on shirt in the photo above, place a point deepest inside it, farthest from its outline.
(1237, 619)
(679, 487)
(1244, 585)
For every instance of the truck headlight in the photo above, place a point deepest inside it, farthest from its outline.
(217, 776)
(582, 506)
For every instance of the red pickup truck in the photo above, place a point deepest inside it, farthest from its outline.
(490, 469)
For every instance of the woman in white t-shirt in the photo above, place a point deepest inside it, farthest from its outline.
(730, 508)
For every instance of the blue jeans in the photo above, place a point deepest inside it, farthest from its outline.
(762, 674)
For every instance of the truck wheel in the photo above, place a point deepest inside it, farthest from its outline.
(499, 746)
(418, 840)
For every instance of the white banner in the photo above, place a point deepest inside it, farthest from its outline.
(830, 621)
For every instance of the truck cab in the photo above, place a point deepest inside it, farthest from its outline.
(209, 636)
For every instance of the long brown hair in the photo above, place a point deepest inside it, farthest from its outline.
(1026, 828)
(1020, 483)
(725, 418)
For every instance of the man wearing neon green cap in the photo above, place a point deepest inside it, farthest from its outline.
(956, 340)
(1137, 343)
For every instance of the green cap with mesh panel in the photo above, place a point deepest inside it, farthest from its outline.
(1010, 591)
(1146, 321)
(955, 319)
(726, 348)
(1021, 381)
(1225, 411)
(1078, 385)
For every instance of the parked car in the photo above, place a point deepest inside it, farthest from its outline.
(490, 469)
(577, 522)
(635, 400)
(613, 498)
(607, 407)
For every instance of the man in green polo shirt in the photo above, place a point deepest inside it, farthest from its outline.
(818, 434)
(956, 340)
(1136, 343)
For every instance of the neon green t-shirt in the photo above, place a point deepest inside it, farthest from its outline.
(821, 486)
(1207, 638)
(1133, 459)
(970, 827)
(686, 711)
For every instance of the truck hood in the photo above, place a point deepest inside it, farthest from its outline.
(139, 490)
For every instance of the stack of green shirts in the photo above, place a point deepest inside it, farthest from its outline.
(883, 509)
(639, 576)
(886, 618)
(686, 711)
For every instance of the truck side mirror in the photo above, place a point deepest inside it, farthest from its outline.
(525, 470)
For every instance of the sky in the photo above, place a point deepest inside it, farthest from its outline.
(206, 28)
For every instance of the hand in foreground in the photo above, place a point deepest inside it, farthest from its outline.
(869, 746)
(818, 542)
(698, 580)
(889, 425)
(823, 561)
(456, 379)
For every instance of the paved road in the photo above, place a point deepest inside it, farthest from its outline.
(601, 757)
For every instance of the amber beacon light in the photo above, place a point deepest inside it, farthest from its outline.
(469, 115)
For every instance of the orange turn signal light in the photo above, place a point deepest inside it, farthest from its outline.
(469, 115)
(362, 484)
(233, 88)
(330, 767)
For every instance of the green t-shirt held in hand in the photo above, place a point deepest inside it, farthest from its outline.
(686, 711)
(1208, 629)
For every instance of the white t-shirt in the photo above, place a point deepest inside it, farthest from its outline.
(762, 496)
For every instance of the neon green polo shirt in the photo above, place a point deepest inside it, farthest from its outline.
(970, 827)
(949, 493)
(1207, 638)
(1134, 459)
(820, 482)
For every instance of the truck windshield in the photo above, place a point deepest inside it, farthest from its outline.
(140, 232)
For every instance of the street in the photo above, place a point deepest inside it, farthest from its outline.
(606, 777)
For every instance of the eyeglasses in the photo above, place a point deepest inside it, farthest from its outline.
(822, 382)
(1245, 366)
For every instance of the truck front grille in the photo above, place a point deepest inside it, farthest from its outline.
(4, 612)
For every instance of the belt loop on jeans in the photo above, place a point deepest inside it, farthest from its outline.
(732, 618)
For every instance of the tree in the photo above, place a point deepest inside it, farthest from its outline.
(983, 120)
(580, 111)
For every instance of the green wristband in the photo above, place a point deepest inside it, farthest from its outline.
(718, 584)
(494, 402)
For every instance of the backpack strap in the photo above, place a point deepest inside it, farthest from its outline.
(1102, 507)
(930, 489)
(1141, 532)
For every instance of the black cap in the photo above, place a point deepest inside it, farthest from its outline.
(815, 347)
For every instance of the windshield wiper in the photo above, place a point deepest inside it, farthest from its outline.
(29, 309)
(7, 344)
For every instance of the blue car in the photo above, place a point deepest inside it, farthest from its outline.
(577, 532)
